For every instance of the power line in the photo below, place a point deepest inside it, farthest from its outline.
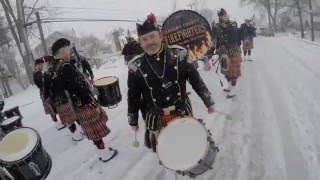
(86, 20)
(101, 13)
(92, 9)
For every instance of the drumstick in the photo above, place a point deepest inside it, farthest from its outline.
(135, 143)
(228, 116)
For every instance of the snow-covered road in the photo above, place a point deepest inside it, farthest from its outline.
(275, 134)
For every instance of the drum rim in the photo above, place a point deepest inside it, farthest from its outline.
(23, 159)
(117, 81)
(12, 108)
(4, 125)
(207, 148)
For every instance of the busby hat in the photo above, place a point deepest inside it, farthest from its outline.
(60, 43)
(222, 12)
(38, 61)
(148, 26)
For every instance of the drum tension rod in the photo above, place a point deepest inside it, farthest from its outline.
(191, 175)
(201, 121)
(214, 147)
(204, 164)
(209, 139)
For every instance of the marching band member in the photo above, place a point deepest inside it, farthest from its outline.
(228, 48)
(71, 92)
(247, 32)
(159, 76)
(49, 108)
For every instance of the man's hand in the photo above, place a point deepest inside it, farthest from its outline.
(92, 79)
(211, 110)
(135, 128)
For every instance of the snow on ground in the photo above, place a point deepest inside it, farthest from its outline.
(275, 133)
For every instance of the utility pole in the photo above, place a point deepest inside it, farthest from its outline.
(24, 39)
(174, 5)
(26, 32)
(311, 20)
(191, 6)
(43, 41)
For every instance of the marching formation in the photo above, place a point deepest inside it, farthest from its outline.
(157, 76)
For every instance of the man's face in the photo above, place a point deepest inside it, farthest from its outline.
(64, 52)
(151, 42)
(39, 66)
(225, 18)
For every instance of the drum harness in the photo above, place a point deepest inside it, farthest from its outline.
(57, 68)
(165, 83)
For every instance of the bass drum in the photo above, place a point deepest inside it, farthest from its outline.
(22, 154)
(186, 146)
(109, 91)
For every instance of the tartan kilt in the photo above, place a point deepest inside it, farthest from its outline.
(67, 116)
(93, 122)
(233, 66)
(249, 45)
(48, 107)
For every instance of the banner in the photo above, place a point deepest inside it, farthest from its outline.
(190, 30)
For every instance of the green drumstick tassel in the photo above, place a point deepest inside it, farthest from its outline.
(227, 116)
(135, 143)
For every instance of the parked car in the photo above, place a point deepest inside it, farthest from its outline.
(266, 32)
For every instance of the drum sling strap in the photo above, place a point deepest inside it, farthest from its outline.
(154, 121)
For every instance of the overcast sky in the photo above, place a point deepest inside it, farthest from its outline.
(122, 9)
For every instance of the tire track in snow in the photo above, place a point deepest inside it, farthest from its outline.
(295, 163)
(263, 162)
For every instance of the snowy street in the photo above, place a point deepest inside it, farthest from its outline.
(275, 133)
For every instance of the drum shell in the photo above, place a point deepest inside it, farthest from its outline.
(208, 159)
(35, 166)
(13, 112)
(109, 94)
(9, 127)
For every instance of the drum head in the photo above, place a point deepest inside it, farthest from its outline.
(17, 144)
(10, 120)
(182, 144)
(105, 81)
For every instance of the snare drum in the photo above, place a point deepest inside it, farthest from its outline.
(11, 123)
(186, 146)
(12, 112)
(21, 153)
(109, 91)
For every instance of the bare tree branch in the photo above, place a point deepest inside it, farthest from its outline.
(10, 10)
(32, 10)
